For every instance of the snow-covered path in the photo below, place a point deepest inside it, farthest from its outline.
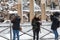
(27, 33)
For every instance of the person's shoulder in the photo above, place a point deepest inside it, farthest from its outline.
(50, 15)
(18, 18)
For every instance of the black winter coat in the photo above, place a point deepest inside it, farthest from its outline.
(55, 22)
(16, 24)
(35, 24)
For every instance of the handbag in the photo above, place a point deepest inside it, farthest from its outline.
(20, 28)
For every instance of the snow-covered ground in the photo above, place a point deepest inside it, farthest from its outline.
(27, 33)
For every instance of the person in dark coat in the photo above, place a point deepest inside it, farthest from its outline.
(36, 27)
(16, 26)
(55, 25)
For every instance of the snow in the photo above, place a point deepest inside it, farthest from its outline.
(45, 29)
(13, 12)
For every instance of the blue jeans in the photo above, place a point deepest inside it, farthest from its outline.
(56, 34)
(15, 34)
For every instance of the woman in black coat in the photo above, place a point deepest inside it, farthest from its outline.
(55, 25)
(36, 27)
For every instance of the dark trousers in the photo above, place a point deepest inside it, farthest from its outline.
(35, 35)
